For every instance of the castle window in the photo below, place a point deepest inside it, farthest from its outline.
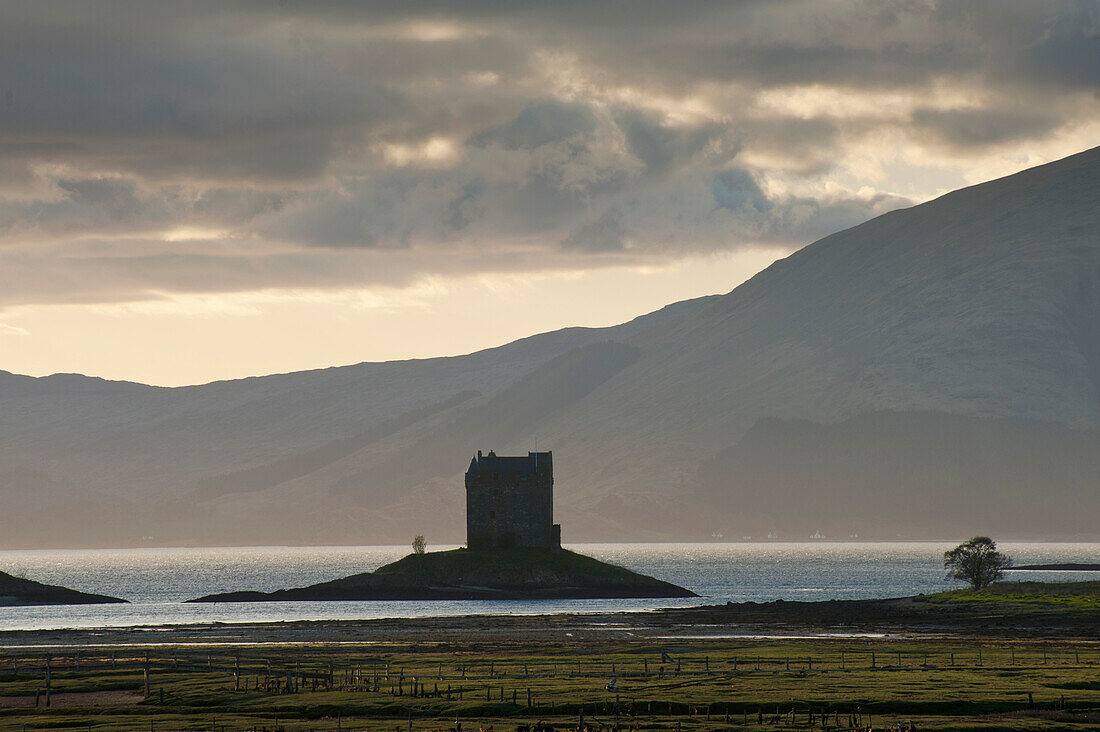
(496, 476)
(492, 514)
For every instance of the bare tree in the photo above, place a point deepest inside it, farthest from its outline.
(977, 562)
(419, 544)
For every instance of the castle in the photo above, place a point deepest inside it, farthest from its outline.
(510, 502)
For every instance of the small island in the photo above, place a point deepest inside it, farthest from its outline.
(519, 573)
(17, 591)
(514, 552)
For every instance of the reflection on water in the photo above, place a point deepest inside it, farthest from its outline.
(156, 581)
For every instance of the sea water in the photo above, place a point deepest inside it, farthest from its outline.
(157, 581)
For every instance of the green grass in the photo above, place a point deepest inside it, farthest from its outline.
(1076, 594)
(941, 684)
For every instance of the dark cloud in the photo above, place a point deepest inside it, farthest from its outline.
(606, 234)
(115, 197)
(307, 134)
(541, 123)
(661, 148)
(735, 189)
(974, 128)
(1067, 50)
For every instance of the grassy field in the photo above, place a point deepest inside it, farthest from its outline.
(630, 684)
(691, 669)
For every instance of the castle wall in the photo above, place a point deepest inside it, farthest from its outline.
(510, 502)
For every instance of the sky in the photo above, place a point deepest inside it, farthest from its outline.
(208, 190)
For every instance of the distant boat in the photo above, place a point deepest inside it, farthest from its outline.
(773, 535)
(716, 534)
(817, 535)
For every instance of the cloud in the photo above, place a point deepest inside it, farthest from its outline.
(975, 128)
(735, 189)
(541, 123)
(147, 148)
(11, 330)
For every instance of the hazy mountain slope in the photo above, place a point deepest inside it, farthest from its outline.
(979, 304)
(130, 438)
(974, 316)
(887, 473)
(367, 491)
(982, 302)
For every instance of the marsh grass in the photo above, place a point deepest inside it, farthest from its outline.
(939, 683)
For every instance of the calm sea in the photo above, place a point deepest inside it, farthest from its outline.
(156, 581)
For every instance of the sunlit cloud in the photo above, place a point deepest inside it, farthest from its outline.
(193, 233)
(436, 152)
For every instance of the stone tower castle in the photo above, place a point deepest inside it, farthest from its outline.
(510, 502)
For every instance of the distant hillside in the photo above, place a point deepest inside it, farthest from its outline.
(881, 474)
(930, 373)
(89, 462)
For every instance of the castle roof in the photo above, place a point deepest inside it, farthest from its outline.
(533, 462)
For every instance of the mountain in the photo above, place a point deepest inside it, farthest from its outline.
(933, 372)
(90, 462)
